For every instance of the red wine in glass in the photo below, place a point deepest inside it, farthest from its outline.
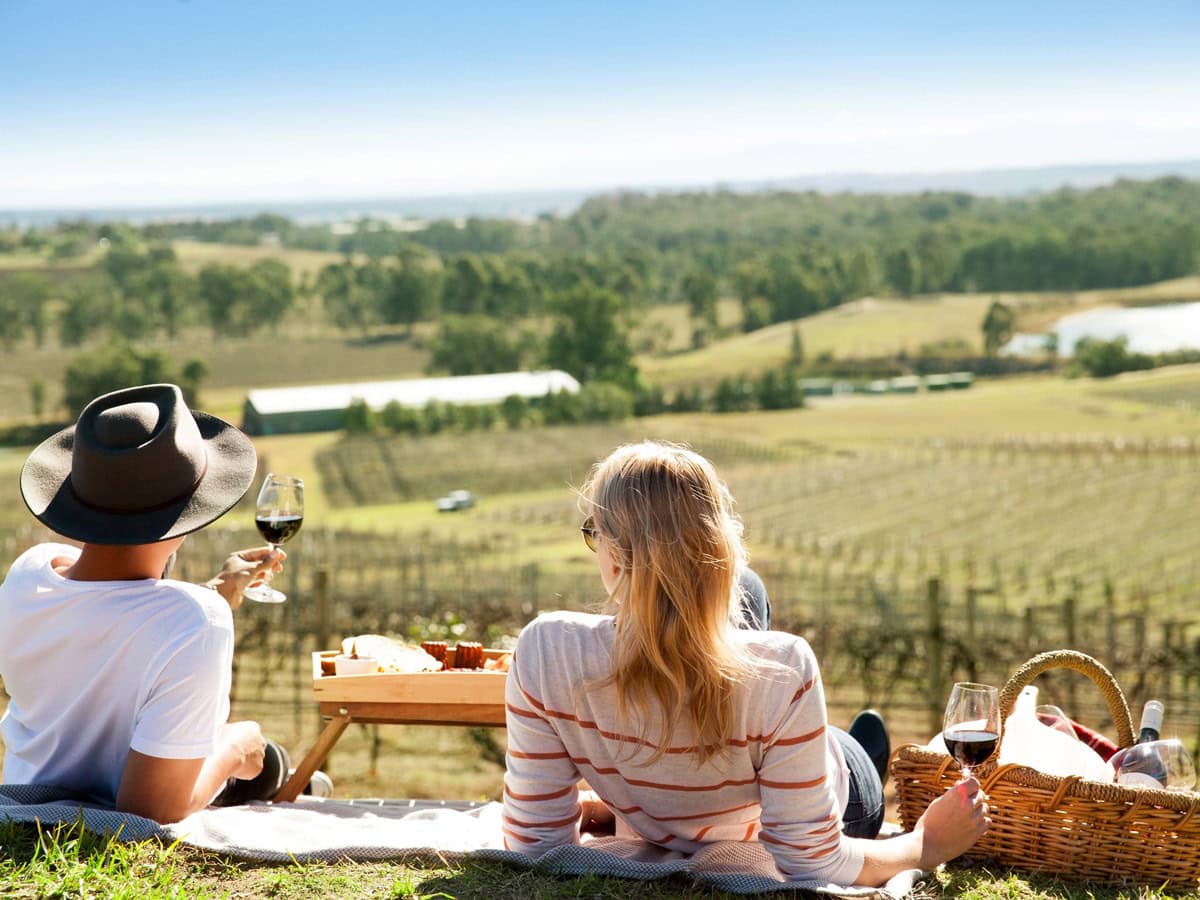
(278, 529)
(278, 515)
(971, 748)
(971, 727)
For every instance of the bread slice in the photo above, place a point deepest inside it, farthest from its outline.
(393, 655)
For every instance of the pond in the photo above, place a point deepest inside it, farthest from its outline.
(1150, 329)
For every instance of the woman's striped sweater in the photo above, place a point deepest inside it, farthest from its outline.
(783, 780)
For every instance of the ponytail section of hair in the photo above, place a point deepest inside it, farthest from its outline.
(675, 533)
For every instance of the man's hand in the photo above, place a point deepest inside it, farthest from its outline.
(241, 569)
(244, 747)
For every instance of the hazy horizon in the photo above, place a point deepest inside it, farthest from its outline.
(146, 104)
(529, 204)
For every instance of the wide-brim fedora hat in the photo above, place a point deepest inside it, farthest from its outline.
(136, 468)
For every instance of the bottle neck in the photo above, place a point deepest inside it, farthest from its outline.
(1152, 719)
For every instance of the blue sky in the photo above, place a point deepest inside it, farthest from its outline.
(143, 102)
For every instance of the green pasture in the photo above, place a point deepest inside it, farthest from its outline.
(874, 327)
(194, 255)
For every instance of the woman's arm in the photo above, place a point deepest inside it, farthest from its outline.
(949, 827)
(541, 783)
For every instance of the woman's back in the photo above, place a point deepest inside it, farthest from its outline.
(782, 780)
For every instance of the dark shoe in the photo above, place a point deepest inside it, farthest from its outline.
(263, 786)
(870, 731)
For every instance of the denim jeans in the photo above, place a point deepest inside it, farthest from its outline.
(864, 809)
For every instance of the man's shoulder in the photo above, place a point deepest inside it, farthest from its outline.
(40, 555)
(206, 604)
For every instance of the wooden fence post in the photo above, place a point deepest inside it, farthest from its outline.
(972, 612)
(935, 651)
(1072, 641)
(1110, 623)
(321, 608)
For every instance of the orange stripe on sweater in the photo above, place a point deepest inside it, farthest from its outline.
(791, 785)
(517, 754)
(519, 837)
(524, 713)
(768, 839)
(833, 823)
(590, 725)
(800, 739)
(535, 797)
(558, 823)
(689, 788)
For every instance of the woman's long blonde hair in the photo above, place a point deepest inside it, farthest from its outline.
(671, 528)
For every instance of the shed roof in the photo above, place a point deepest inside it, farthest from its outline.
(417, 392)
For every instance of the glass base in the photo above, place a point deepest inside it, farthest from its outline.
(261, 593)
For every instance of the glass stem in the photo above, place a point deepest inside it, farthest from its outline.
(270, 573)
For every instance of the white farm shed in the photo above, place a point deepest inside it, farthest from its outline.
(291, 410)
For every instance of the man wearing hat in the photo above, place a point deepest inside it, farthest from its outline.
(119, 677)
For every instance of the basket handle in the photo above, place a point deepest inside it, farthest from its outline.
(1079, 662)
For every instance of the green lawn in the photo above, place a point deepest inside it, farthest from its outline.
(60, 863)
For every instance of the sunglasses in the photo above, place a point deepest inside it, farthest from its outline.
(588, 530)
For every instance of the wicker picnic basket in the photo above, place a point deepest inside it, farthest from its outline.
(1066, 826)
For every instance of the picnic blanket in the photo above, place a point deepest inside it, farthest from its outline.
(414, 831)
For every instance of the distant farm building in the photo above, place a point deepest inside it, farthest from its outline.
(292, 410)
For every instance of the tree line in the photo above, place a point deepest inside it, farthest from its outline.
(565, 292)
(784, 254)
(138, 293)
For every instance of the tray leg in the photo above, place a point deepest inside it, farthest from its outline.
(313, 759)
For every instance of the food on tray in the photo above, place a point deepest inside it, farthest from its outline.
(393, 655)
(468, 655)
(436, 649)
(499, 664)
(355, 665)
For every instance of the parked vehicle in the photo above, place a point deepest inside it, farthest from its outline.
(455, 500)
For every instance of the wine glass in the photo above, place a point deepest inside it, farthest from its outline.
(1157, 764)
(971, 727)
(278, 514)
(1053, 717)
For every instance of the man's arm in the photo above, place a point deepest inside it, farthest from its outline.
(167, 790)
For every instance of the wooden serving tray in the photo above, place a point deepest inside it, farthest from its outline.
(473, 697)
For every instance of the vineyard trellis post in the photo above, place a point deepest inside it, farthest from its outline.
(935, 652)
(1072, 636)
(321, 607)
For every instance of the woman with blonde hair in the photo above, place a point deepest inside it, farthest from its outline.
(689, 728)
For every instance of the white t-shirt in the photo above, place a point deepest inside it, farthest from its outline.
(95, 668)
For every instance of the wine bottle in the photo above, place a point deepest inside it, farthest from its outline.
(1139, 765)
(1152, 720)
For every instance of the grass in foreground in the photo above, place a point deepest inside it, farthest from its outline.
(68, 861)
